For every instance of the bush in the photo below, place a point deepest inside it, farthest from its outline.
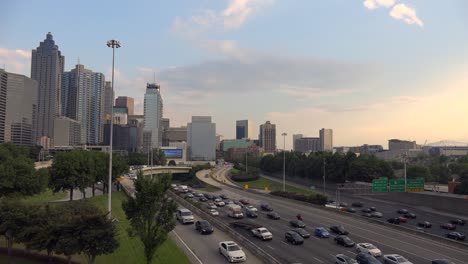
(311, 198)
(461, 188)
(244, 178)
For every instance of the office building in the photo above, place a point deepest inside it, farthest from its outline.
(307, 144)
(108, 101)
(126, 137)
(120, 115)
(125, 101)
(174, 134)
(83, 100)
(67, 132)
(397, 144)
(241, 153)
(326, 139)
(153, 111)
(219, 138)
(243, 129)
(18, 108)
(294, 138)
(201, 139)
(363, 149)
(235, 143)
(267, 137)
(47, 65)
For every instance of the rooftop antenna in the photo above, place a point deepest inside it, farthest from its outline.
(154, 77)
(78, 60)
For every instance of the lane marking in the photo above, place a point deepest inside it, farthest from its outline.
(351, 252)
(284, 243)
(271, 247)
(318, 260)
(193, 253)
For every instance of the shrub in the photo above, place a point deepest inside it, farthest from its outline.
(311, 198)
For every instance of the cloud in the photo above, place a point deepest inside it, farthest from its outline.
(407, 14)
(16, 60)
(373, 4)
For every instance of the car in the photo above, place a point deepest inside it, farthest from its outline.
(363, 258)
(228, 202)
(351, 210)
(244, 201)
(366, 214)
(343, 259)
(321, 232)
(395, 259)
(223, 196)
(441, 261)
(402, 219)
(251, 214)
(448, 226)
(425, 224)
(262, 233)
(368, 249)
(202, 199)
(340, 230)
(204, 227)
(214, 212)
(394, 220)
(173, 185)
(302, 232)
(344, 241)
(239, 204)
(402, 211)
(366, 210)
(199, 194)
(175, 189)
(184, 216)
(273, 215)
(410, 215)
(189, 195)
(293, 238)
(377, 214)
(357, 204)
(297, 223)
(456, 236)
(251, 208)
(373, 209)
(231, 251)
(457, 222)
(219, 202)
(211, 206)
(209, 196)
(343, 204)
(266, 207)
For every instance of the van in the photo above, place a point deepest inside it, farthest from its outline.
(183, 188)
(235, 211)
(184, 216)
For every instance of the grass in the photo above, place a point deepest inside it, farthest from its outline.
(44, 197)
(261, 182)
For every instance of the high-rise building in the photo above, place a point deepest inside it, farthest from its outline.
(326, 139)
(294, 138)
(125, 101)
(83, 100)
(67, 132)
(201, 139)
(243, 129)
(267, 137)
(308, 144)
(153, 111)
(47, 65)
(18, 108)
(120, 115)
(108, 101)
(397, 144)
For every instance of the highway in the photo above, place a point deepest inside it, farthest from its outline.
(417, 249)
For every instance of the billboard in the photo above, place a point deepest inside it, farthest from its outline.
(173, 153)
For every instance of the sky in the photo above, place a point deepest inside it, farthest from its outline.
(371, 70)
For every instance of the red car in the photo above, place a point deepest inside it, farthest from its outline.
(402, 219)
(448, 226)
(244, 201)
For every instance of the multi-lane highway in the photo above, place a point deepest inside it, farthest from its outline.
(416, 248)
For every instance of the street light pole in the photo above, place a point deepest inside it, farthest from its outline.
(111, 44)
(324, 171)
(404, 167)
(284, 161)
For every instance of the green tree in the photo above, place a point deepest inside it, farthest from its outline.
(65, 172)
(86, 170)
(101, 169)
(172, 163)
(415, 171)
(159, 158)
(151, 213)
(14, 217)
(137, 158)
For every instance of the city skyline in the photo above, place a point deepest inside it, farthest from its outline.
(369, 82)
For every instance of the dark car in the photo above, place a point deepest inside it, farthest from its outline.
(442, 261)
(293, 238)
(209, 196)
(363, 258)
(394, 220)
(425, 224)
(340, 230)
(448, 226)
(456, 236)
(244, 201)
(344, 241)
(239, 204)
(273, 215)
(266, 207)
(366, 214)
(410, 215)
(223, 196)
(251, 214)
(457, 221)
(297, 223)
(402, 211)
(202, 199)
(204, 227)
(357, 204)
(373, 209)
(343, 204)
(366, 210)
(343, 259)
(351, 210)
(302, 232)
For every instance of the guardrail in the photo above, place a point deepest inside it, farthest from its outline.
(259, 252)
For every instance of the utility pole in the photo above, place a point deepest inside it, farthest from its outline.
(324, 171)
(284, 161)
(404, 167)
(246, 165)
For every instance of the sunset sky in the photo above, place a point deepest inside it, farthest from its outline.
(370, 70)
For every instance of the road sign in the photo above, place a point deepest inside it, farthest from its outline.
(266, 188)
(416, 185)
(246, 186)
(397, 185)
(380, 184)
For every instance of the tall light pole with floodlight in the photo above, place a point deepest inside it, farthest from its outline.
(284, 161)
(114, 44)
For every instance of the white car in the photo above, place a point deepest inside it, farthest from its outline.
(251, 208)
(173, 185)
(213, 212)
(198, 194)
(231, 251)
(369, 249)
(211, 206)
(184, 216)
(219, 202)
(262, 233)
(189, 195)
(395, 259)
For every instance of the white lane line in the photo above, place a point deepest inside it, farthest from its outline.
(271, 247)
(284, 243)
(351, 252)
(193, 253)
(318, 260)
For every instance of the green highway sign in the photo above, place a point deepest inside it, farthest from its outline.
(397, 185)
(380, 185)
(416, 185)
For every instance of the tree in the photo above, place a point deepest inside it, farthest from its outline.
(137, 158)
(86, 170)
(172, 163)
(65, 172)
(13, 219)
(415, 171)
(159, 158)
(151, 213)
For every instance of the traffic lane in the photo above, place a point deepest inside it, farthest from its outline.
(394, 239)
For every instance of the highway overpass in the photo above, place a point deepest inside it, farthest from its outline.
(165, 169)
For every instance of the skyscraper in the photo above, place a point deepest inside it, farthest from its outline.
(125, 101)
(296, 137)
(18, 106)
(108, 101)
(267, 137)
(83, 100)
(243, 129)
(326, 139)
(47, 65)
(153, 111)
(201, 139)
